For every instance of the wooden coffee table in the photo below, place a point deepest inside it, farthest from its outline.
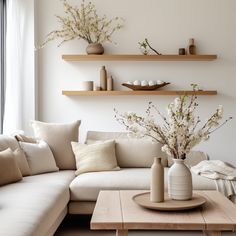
(115, 210)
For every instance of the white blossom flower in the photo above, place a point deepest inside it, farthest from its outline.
(179, 132)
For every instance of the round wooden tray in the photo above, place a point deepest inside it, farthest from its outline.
(139, 87)
(143, 200)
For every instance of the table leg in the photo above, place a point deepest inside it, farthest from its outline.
(212, 233)
(121, 232)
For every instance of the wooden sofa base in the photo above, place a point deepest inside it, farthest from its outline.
(81, 208)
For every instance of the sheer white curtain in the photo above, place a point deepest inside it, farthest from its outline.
(19, 66)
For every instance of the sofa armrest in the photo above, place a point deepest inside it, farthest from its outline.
(194, 157)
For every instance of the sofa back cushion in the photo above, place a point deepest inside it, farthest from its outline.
(7, 141)
(130, 152)
(59, 138)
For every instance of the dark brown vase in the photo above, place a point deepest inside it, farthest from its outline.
(95, 48)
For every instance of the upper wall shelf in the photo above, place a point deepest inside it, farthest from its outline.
(125, 57)
(124, 92)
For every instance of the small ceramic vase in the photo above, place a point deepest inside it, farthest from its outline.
(95, 48)
(179, 181)
(157, 181)
(103, 78)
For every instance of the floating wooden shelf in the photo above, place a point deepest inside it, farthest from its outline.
(124, 92)
(124, 57)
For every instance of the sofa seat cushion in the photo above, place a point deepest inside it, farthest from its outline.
(31, 207)
(86, 187)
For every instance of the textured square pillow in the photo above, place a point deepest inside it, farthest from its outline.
(59, 138)
(40, 157)
(9, 170)
(95, 157)
(22, 162)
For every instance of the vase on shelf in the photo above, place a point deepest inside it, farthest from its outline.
(95, 49)
(157, 181)
(179, 181)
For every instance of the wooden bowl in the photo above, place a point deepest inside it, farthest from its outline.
(139, 87)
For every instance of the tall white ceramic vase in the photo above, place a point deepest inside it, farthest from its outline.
(179, 181)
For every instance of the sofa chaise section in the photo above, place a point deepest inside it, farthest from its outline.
(36, 205)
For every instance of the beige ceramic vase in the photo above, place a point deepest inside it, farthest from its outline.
(179, 181)
(157, 181)
(95, 48)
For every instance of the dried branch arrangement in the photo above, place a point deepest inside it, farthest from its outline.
(83, 22)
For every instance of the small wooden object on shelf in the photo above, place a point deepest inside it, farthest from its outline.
(149, 87)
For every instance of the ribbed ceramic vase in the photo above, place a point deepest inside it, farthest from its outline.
(95, 49)
(179, 181)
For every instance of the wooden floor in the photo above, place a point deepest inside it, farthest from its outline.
(74, 225)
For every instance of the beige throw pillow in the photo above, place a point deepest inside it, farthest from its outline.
(22, 162)
(6, 142)
(40, 157)
(59, 138)
(95, 157)
(9, 170)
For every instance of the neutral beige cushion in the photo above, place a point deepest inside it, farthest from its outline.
(6, 142)
(59, 138)
(24, 138)
(95, 157)
(86, 187)
(9, 170)
(130, 152)
(22, 162)
(40, 157)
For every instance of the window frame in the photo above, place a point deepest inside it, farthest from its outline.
(3, 6)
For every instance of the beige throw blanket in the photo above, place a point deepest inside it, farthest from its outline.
(223, 173)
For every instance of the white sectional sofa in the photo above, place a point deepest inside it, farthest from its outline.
(36, 205)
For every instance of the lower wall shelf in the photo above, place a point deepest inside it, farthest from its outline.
(124, 92)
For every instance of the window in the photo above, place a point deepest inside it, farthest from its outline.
(2, 58)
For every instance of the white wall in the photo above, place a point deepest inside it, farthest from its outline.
(168, 24)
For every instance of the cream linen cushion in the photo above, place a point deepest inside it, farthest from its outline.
(9, 170)
(40, 157)
(59, 138)
(95, 157)
(22, 162)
